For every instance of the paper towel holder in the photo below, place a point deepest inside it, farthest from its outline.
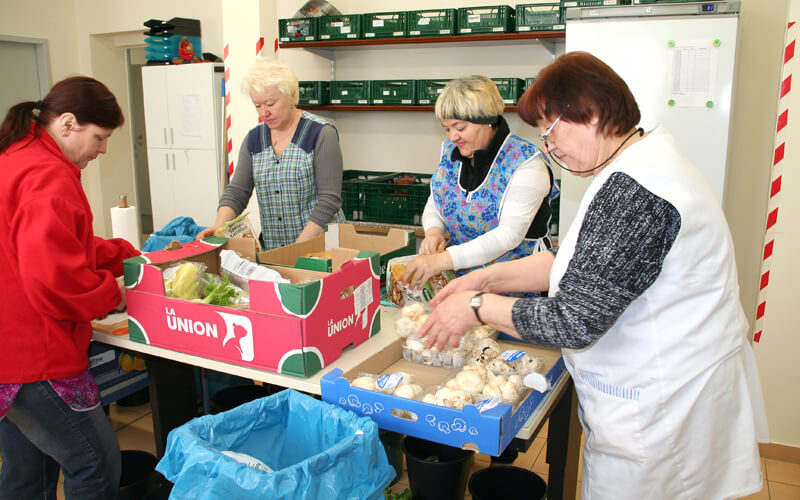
(123, 201)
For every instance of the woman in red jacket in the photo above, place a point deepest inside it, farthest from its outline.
(55, 277)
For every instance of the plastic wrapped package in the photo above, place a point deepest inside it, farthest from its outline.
(313, 449)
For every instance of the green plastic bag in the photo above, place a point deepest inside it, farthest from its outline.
(297, 447)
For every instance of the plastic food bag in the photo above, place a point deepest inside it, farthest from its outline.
(315, 449)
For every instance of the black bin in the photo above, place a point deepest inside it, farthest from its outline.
(507, 482)
(231, 397)
(436, 471)
(139, 476)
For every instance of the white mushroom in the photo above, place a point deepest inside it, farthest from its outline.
(421, 319)
(405, 327)
(364, 382)
(471, 380)
(408, 391)
(415, 345)
(484, 331)
(528, 364)
(497, 365)
(515, 379)
(485, 350)
(451, 384)
(510, 391)
(412, 311)
(430, 398)
(460, 398)
(492, 390)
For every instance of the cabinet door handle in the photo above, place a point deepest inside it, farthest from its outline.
(171, 136)
(174, 167)
(166, 159)
(165, 135)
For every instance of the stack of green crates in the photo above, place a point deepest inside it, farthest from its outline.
(510, 89)
(314, 93)
(350, 92)
(593, 3)
(301, 29)
(433, 22)
(384, 24)
(666, 1)
(529, 81)
(428, 90)
(339, 27)
(352, 195)
(491, 19)
(398, 198)
(540, 17)
(392, 91)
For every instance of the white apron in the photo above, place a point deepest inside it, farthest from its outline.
(670, 400)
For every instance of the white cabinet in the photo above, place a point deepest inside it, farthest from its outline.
(179, 184)
(183, 106)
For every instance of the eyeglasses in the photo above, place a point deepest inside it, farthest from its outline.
(546, 136)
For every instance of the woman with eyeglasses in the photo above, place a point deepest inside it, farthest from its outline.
(490, 193)
(643, 300)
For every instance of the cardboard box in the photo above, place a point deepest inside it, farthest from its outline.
(114, 378)
(489, 432)
(294, 329)
(395, 243)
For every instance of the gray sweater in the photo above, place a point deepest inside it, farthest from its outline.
(327, 176)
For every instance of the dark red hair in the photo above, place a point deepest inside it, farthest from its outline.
(86, 98)
(580, 86)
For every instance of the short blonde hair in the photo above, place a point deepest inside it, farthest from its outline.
(469, 98)
(271, 73)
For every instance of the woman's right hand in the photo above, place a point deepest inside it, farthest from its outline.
(209, 231)
(434, 242)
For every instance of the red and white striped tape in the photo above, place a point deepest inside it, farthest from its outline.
(227, 64)
(781, 133)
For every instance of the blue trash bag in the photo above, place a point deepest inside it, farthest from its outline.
(182, 229)
(315, 450)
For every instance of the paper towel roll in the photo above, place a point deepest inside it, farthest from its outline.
(125, 225)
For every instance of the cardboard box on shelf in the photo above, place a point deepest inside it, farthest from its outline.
(295, 328)
(489, 432)
(116, 372)
(395, 243)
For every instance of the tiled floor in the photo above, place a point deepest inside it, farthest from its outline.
(134, 427)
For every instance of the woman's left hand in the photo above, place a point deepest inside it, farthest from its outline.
(423, 267)
(451, 319)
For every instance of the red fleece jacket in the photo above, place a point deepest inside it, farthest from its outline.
(55, 274)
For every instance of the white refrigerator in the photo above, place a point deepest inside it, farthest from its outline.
(678, 60)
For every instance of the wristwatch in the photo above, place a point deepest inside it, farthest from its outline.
(476, 302)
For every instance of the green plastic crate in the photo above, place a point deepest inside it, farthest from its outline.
(593, 3)
(428, 90)
(391, 200)
(491, 19)
(432, 22)
(384, 24)
(510, 89)
(350, 92)
(636, 2)
(314, 93)
(540, 17)
(339, 27)
(392, 91)
(301, 29)
(352, 195)
(529, 81)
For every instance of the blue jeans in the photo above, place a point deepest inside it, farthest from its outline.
(41, 434)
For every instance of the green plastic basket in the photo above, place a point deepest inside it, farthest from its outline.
(301, 29)
(392, 91)
(352, 195)
(398, 198)
(529, 81)
(384, 24)
(432, 22)
(428, 90)
(491, 19)
(314, 93)
(540, 17)
(350, 92)
(339, 27)
(593, 3)
(510, 89)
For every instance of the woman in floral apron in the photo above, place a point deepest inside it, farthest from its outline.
(490, 193)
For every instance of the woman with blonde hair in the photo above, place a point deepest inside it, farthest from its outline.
(292, 159)
(490, 193)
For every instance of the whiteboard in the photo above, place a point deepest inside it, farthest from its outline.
(641, 51)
